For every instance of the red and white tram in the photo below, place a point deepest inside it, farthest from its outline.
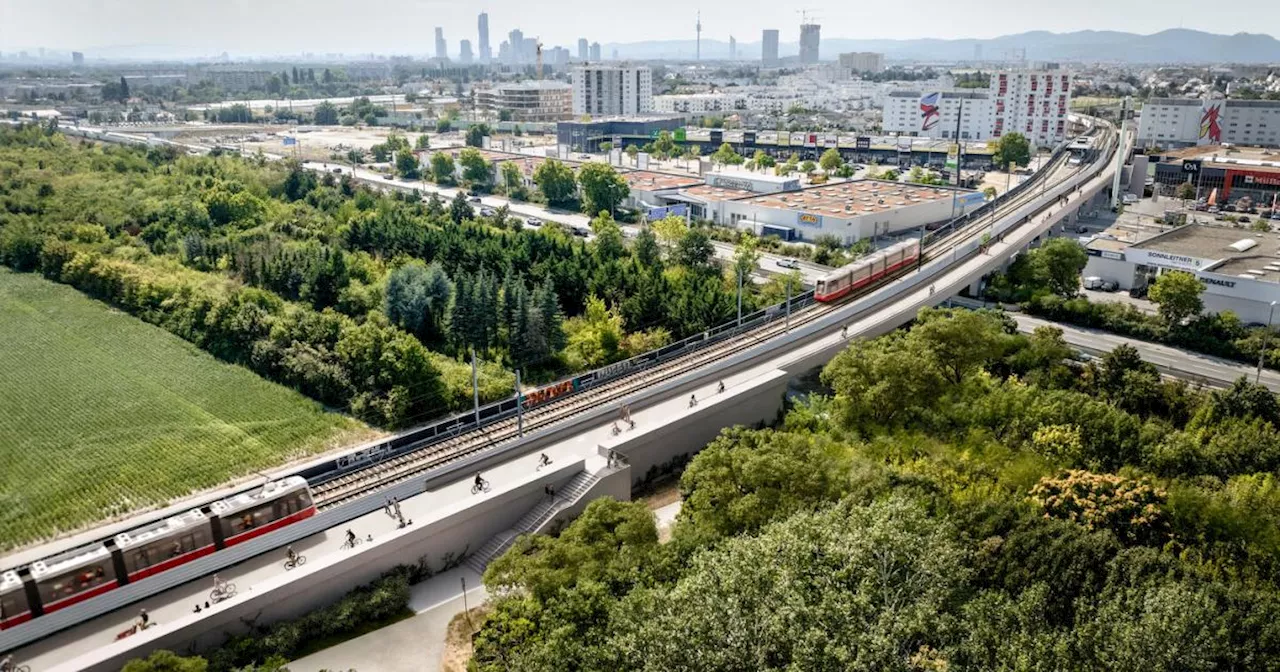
(841, 282)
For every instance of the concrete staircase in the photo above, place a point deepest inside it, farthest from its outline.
(536, 520)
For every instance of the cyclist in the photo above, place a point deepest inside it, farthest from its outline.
(930, 290)
(844, 331)
(720, 388)
(6, 665)
(291, 554)
(144, 619)
(543, 460)
(351, 538)
(693, 400)
(218, 584)
(479, 481)
(616, 429)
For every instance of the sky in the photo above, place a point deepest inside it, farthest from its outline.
(253, 27)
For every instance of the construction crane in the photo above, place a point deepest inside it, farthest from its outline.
(539, 50)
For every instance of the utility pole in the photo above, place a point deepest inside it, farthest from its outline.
(475, 385)
(519, 407)
(788, 303)
(739, 296)
(956, 191)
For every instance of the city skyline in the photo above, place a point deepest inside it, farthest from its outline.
(329, 27)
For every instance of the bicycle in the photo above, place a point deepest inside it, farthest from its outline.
(225, 591)
(351, 543)
(297, 561)
(477, 488)
(543, 461)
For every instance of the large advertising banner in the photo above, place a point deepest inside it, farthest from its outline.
(930, 110)
(1210, 127)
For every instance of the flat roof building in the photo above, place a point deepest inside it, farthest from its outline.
(615, 89)
(1240, 267)
(539, 101)
(769, 48)
(1180, 122)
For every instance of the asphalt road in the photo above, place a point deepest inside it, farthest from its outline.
(1184, 364)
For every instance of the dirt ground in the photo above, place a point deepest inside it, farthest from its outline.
(313, 145)
(662, 496)
(457, 643)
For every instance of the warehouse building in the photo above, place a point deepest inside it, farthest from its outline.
(1034, 103)
(849, 211)
(586, 136)
(1240, 268)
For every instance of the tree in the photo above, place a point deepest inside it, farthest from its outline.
(807, 167)
(664, 146)
(746, 256)
(961, 341)
(632, 151)
(990, 193)
(166, 661)
(847, 588)
(831, 160)
(762, 160)
(725, 156)
(512, 182)
(1177, 293)
(442, 168)
(1059, 261)
(325, 114)
(603, 189)
(696, 253)
(417, 299)
(423, 142)
(606, 147)
(124, 90)
(609, 242)
(407, 165)
(444, 125)
(670, 230)
(1185, 191)
(556, 182)
(1131, 509)
(1011, 148)
(460, 209)
(475, 170)
(476, 134)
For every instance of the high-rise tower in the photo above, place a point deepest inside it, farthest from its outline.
(486, 54)
(698, 54)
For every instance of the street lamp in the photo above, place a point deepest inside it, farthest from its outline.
(1262, 356)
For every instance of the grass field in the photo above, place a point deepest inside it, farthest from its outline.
(102, 414)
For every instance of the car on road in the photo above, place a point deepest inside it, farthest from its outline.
(584, 157)
(581, 232)
(388, 177)
(337, 170)
(788, 263)
(533, 221)
(473, 199)
(487, 212)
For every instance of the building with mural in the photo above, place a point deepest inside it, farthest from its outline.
(1182, 122)
(1034, 103)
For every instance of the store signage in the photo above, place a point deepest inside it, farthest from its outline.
(864, 143)
(1108, 254)
(806, 219)
(1190, 166)
(1218, 281)
(1165, 259)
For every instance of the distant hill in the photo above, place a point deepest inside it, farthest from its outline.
(1168, 46)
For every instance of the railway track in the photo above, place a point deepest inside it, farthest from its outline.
(413, 464)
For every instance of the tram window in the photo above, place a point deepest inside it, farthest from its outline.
(294, 503)
(160, 550)
(13, 603)
(76, 581)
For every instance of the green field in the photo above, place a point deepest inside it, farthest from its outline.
(102, 414)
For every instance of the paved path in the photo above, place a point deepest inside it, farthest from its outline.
(412, 645)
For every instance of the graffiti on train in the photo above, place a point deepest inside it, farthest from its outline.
(549, 392)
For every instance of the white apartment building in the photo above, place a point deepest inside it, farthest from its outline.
(862, 61)
(1033, 103)
(933, 114)
(612, 90)
(1182, 122)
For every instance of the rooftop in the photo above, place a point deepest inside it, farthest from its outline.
(1260, 261)
(709, 193)
(650, 181)
(1218, 153)
(855, 198)
(535, 85)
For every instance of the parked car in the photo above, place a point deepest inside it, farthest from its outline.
(1098, 284)
(1130, 199)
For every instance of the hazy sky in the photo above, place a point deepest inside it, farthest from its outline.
(406, 26)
